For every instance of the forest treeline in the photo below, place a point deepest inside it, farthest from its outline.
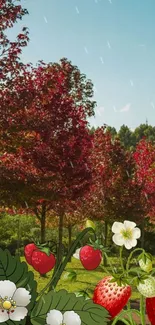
(128, 138)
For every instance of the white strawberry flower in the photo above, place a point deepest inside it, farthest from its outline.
(13, 302)
(125, 233)
(77, 253)
(55, 317)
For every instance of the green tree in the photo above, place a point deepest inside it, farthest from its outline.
(144, 130)
(126, 137)
(112, 131)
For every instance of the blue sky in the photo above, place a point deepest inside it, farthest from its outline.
(111, 41)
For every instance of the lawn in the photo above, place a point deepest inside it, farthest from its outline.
(85, 279)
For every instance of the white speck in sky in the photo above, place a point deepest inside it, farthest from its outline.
(98, 112)
(45, 19)
(101, 60)
(109, 45)
(152, 104)
(131, 83)
(125, 108)
(114, 108)
(77, 10)
(95, 89)
(86, 49)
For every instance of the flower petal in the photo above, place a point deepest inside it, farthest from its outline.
(18, 314)
(70, 318)
(3, 316)
(7, 288)
(21, 297)
(77, 253)
(130, 243)
(129, 224)
(136, 233)
(117, 227)
(54, 317)
(118, 239)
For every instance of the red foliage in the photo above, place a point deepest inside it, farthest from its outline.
(44, 139)
(144, 157)
(10, 64)
(114, 194)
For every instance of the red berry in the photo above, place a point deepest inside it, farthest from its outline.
(111, 296)
(43, 263)
(28, 250)
(90, 258)
(150, 309)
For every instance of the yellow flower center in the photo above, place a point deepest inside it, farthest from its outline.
(127, 234)
(7, 304)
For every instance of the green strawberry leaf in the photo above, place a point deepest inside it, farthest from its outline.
(82, 293)
(136, 271)
(72, 276)
(45, 250)
(12, 269)
(134, 281)
(113, 280)
(149, 257)
(90, 313)
(140, 256)
(144, 258)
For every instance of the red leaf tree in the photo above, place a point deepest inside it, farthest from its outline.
(114, 194)
(10, 64)
(45, 142)
(144, 157)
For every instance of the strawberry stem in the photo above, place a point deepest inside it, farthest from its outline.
(125, 313)
(142, 309)
(130, 315)
(54, 280)
(130, 257)
(108, 260)
(121, 258)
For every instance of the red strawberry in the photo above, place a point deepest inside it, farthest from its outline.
(43, 263)
(150, 309)
(90, 258)
(28, 250)
(111, 296)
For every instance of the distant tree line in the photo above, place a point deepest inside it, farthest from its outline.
(128, 138)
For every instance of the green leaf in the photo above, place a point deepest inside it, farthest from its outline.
(140, 256)
(144, 258)
(12, 269)
(149, 256)
(82, 293)
(135, 271)
(90, 313)
(71, 276)
(45, 250)
(90, 224)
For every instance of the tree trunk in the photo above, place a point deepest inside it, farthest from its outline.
(59, 255)
(143, 233)
(43, 222)
(69, 238)
(105, 239)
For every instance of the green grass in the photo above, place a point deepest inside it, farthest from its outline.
(85, 279)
